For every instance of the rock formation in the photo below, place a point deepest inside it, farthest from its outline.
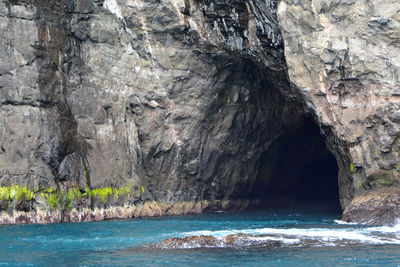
(343, 56)
(179, 100)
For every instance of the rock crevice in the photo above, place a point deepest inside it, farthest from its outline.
(186, 98)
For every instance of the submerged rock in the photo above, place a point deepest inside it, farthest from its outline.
(286, 237)
(200, 241)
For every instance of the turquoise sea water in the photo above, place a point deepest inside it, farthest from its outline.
(122, 243)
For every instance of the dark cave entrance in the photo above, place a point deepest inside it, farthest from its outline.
(275, 154)
(298, 170)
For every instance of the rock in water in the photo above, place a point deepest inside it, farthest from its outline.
(188, 242)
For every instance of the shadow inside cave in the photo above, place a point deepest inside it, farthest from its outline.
(296, 171)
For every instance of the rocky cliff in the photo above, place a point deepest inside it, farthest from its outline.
(127, 108)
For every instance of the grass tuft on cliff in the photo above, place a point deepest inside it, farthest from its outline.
(63, 200)
(16, 192)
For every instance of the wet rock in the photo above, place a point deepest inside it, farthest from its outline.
(239, 241)
(379, 208)
(201, 241)
(337, 55)
(114, 94)
(183, 97)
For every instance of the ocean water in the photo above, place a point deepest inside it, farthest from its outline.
(301, 237)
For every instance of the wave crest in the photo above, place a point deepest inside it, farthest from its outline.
(280, 237)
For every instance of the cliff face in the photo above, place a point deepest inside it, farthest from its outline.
(177, 103)
(343, 56)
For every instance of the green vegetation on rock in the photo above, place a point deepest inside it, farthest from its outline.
(63, 200)
(53, 201)
(16, 192)
(352, 168)
(103, 193)
(381, 178)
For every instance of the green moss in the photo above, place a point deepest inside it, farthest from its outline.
(381, 178)
(16, 192)
(53, 201)
(23, 193)
(106, 192)
(75, 194)
(62, 200)
(5, 193)
(352, 168)
(387, 182)
(127, 190)
(102, 193)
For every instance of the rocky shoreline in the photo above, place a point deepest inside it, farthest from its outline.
(378, 208)
(381, 208)
(108, 212)
(198, 100)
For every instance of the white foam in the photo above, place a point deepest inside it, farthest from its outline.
(343, 222)
(388, 229)
(327, 236)
(272, 238)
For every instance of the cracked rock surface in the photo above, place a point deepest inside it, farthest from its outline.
(344, 58)
(181, 98)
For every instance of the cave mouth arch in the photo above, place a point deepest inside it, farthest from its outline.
(297, 170)
(264, 143)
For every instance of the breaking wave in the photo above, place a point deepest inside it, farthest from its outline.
(285, 237)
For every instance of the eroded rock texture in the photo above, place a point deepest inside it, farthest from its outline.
(344, 58)
(183, 98)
